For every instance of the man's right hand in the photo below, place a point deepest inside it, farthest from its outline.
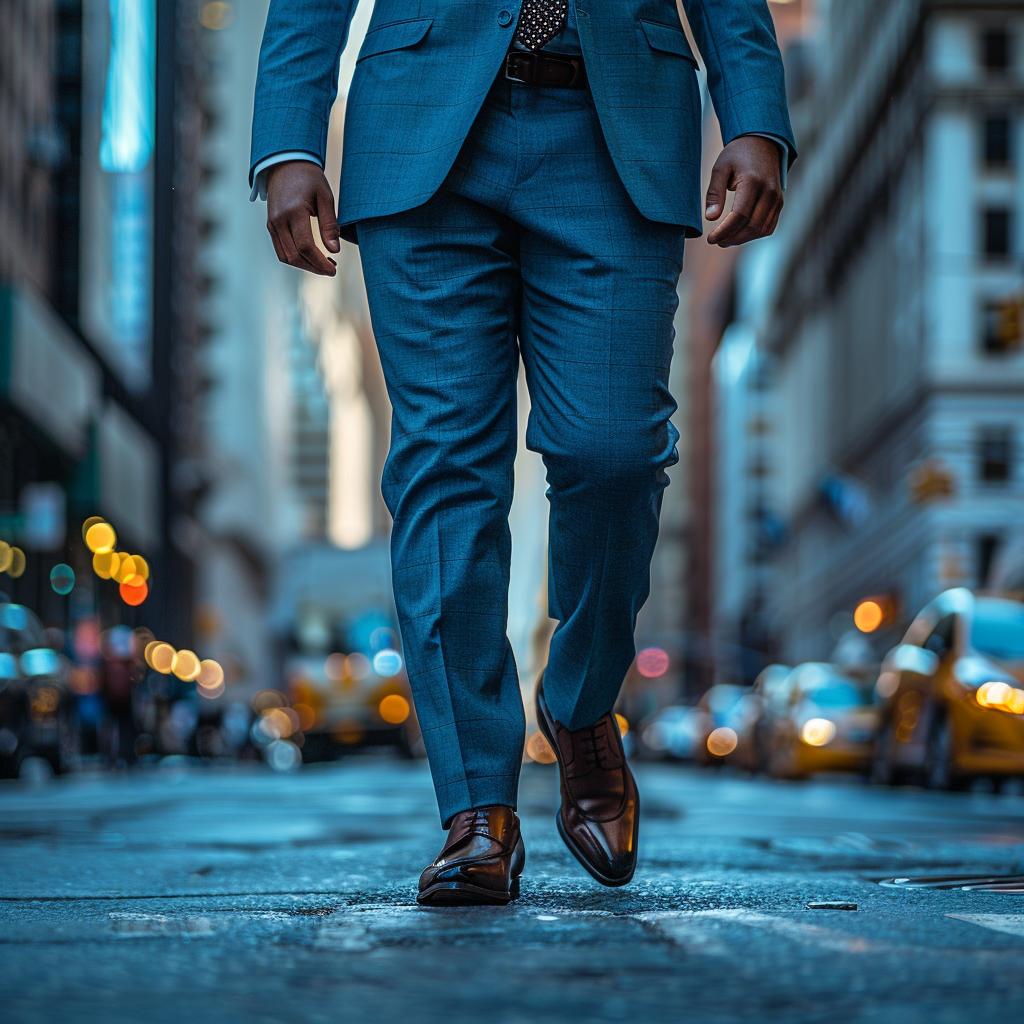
(296, 191)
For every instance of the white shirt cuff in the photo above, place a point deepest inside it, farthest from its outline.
(259, 174)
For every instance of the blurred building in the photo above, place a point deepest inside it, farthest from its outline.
(709, 290)
(890, 328)
(96, 332)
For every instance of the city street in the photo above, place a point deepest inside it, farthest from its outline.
(183, 894)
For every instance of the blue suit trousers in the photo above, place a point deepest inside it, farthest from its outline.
(530, 249)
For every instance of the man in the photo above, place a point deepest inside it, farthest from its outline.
(520, 179)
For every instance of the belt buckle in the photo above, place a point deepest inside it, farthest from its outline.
(516, 63)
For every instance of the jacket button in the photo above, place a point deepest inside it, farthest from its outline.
(504, 18)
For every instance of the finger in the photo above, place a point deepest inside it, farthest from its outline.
(733, 224)
(743, 206)
(326, 219)
(284, 238)
(714, 206)
(773, 221)
(278, 248)
(763, 212)
(312, 258)
(748, 234)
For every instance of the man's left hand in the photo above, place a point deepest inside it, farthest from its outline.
(749, 166)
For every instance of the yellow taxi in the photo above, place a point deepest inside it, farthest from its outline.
(828, 722)
(953, 694)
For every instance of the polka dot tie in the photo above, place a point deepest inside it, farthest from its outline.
(540, 21)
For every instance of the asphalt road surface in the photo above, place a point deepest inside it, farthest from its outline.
(191, 895)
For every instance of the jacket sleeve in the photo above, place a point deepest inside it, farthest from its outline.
(297, 80)
(746, 78)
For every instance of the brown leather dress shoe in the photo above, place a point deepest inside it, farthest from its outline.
(599, 819)
(480, 862)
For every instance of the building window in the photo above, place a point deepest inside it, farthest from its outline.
(987, 548)
(1002, 326)
(997, 140)
(997, 233)
(995, 454)
(996, 51)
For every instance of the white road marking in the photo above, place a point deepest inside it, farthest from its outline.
(1008, 924)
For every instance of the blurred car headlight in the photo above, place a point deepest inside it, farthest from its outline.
(1001, 695)
(722, 741)
(817, 732)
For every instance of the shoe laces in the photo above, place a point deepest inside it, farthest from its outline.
(595, 746)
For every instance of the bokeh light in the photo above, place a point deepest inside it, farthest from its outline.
(387, 662)
(538, 749)
(818, 732)
(17, 563)
(722, 741)
(186, 666)
(211, 675)
(5, 556)
(62, 579)
(652, 662)
(868, 616)
(216, 15)
(623, 723)
(105, 563)
(134, 594)
(90, 523)
(161, 658)
(357, 666)
(394, 709)
(100, 537)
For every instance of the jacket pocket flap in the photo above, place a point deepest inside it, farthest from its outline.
(396, 35)
(667, 39)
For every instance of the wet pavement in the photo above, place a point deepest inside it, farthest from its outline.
(184, 894)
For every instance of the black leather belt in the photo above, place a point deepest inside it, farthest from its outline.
(560, 71)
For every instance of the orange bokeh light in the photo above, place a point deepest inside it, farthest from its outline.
(134, 593)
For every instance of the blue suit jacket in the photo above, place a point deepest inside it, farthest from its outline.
(426, 66)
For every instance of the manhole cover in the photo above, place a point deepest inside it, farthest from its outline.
(982, 883)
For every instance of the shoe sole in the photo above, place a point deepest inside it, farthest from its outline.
(574, 849)
(462, 894)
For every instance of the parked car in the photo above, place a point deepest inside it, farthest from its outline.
(767, 703)
(953, 694)
(671, 733)
(723, 714)
(37, 708)
(828, 722)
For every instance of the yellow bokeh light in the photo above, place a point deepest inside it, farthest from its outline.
(722, 741)
(818, 732)
(215, 15)
(623, 723)
(211, 675)
(148, 650)
(5, 555)
(277, 723)
(868, 616)
(538, 749)
(141, 570)
(997, 694)
(307, 716)
(186, 666)
(125, 570)
(161, 658)
(100, 537)
(394, 709)
(17, 566)
(90, 523)
(105, 563)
